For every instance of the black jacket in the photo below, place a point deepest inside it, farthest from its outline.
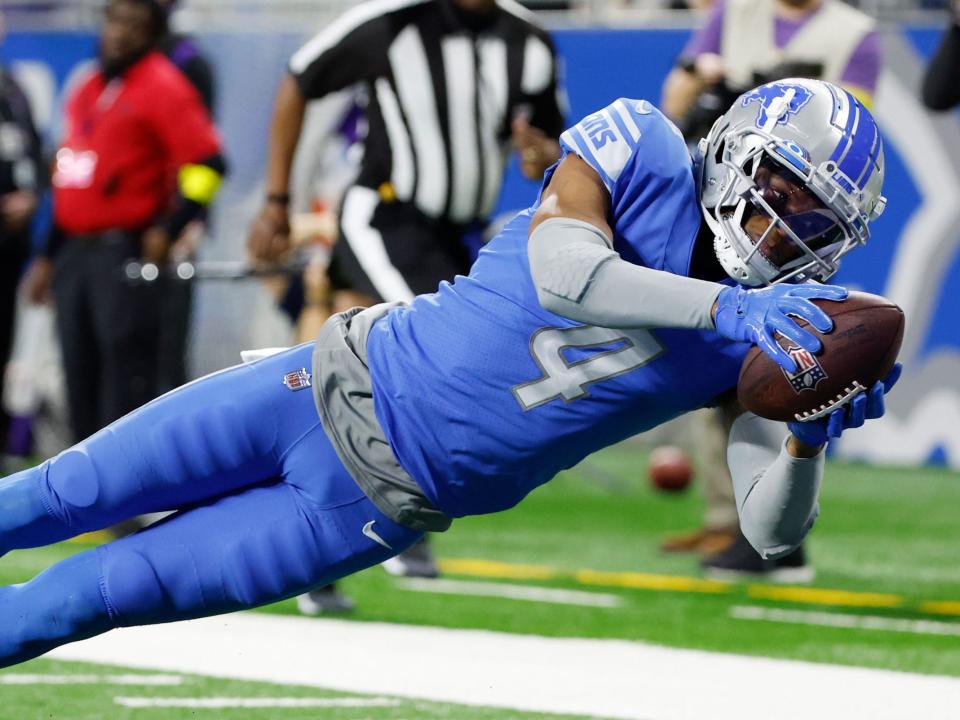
(941, 84)
(20, 159)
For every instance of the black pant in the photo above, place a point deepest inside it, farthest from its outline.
(10, 266)
(176, 306)
(109, 330)
(391, 251)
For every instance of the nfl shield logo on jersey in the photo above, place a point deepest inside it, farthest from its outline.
(297, 380)
(809, 371)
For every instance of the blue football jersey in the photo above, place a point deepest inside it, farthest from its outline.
(484, 395)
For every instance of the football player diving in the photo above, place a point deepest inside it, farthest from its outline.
(626, 296)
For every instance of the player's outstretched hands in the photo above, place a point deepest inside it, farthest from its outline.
(865, 406)
(758, 315)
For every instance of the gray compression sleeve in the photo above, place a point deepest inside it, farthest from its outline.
(577, 274)
(776, 493)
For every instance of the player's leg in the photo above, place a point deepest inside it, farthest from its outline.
(258, 546)
(223, 432)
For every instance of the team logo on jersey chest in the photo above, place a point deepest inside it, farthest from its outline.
(809, 371)
(298, 380)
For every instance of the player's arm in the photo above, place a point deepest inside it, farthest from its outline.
(776, 481)
(777, 469)
(578, 274)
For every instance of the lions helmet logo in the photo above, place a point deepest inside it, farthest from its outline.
(767, 94)
(809, 371)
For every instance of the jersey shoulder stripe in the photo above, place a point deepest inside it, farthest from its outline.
(606, 139)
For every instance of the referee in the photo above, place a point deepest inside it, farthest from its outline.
(139, 161)
(450, 83)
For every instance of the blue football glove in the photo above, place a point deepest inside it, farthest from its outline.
(756, 316)
(865, 406)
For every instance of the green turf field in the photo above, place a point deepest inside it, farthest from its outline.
(77, 691)
(885, 548)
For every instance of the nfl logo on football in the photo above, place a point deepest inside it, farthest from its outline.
(809, 372)
(297, 380)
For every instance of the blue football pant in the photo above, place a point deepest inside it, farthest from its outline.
(265, 511)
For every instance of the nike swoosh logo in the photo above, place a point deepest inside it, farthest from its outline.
(372, 534)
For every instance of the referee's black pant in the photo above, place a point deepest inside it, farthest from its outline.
(109, 330)
(391, 251)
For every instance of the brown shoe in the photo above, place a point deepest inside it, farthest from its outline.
(705, 541)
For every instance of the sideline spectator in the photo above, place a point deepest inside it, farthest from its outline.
(433, 161)
(941, 83)
(139, 161)
(20, 175)
(176, 304)
(745, 43)
(183, 52)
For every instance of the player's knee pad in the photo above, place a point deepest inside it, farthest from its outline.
(133, 591)
(72, 483)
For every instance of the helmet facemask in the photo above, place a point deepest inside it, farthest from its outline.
(771, 224)
(771, 190)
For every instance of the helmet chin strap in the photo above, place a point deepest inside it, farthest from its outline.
(739, 269)
(732, 264)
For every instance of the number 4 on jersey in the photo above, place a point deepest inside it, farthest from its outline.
(617, 352)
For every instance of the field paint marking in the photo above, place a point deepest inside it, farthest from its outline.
(679, 583)
(598, 678)
(840, 620)
(819, 596)
(511, 592)
(941, 607)
(492, 568)
(78, 679)
(210, 703)
(647, 581)
(644, 581)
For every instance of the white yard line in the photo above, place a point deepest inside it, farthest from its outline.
(210, 703)
(512, 592)
(844, 620)
(86, 679)
(608, 678)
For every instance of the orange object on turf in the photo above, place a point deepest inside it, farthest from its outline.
(670, 469)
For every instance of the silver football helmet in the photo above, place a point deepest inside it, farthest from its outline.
(790, 177)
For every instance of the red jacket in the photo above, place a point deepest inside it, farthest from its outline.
(125, 139)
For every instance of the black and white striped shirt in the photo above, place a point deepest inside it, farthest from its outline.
(442, 95)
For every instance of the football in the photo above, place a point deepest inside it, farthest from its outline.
(860, 350)
(669, 469)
